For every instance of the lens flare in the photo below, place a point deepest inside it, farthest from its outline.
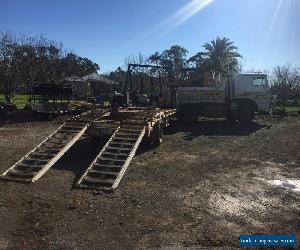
(185, 13)
(274, 18)
(178, 18)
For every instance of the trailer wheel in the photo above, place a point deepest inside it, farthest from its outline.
(246, 114)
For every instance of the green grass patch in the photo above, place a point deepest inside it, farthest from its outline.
(19, 100)
(292, 109)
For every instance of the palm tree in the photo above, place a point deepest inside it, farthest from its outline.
(222, 54)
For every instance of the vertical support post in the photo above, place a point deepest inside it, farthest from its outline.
(127, 79)
(160, 84)
(127, 98)
(152, 85)
(142, 85)
(130, 82)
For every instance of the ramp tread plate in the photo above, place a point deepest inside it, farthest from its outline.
(15, 179)
(98, 180)
(103, 172)
(30, 165)
(109, 159)
(118, 148)
(117, 154)
(101, 167)
(106, 165)
(122, 143)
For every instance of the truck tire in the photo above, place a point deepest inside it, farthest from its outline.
(246, 114)
(231, 116)
(187, 116)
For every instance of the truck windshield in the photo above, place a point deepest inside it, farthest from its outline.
(259, 81)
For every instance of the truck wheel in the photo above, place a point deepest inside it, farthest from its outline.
(246, 114)
(231, 117)
(187, 116)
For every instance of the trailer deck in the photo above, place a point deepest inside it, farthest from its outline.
(128, 128)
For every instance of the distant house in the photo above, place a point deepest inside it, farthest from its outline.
(91, 86)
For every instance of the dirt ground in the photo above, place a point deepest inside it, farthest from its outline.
(203, 187)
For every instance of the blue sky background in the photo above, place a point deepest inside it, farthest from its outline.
(267, 32)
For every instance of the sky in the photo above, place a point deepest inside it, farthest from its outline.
(267, 32)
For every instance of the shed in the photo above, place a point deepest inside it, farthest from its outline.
(91, 86)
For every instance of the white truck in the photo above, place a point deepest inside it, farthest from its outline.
(237, 99)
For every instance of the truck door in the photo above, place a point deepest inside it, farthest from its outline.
(261, 92)
(243, 86)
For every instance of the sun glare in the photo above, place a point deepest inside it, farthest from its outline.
(273, 21)
(186, 12)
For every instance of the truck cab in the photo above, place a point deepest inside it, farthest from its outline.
(238, 98)
(255, 87)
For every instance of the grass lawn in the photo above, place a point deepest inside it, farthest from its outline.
(19, 100)
(292, 109)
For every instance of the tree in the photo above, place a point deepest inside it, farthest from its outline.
(197, 61)
(87, 66)
(285, 82)
(7, 69)
(221, 54)
(175, 59)
(28, 61)
(139, 59)
(119, 76)
(155, 59)
(73, 65)
(25, 64)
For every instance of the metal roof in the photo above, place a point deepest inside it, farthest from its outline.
(91, 78)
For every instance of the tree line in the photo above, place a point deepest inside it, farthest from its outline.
(26, 61)
(285, 83)
(217, 58)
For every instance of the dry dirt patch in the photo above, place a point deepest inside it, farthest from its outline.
(203, 187)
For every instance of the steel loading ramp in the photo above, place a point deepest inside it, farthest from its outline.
(35, 164)
(109, 166)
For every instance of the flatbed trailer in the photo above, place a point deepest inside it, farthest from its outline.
(127, 128)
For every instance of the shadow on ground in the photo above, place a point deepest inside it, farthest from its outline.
(213, 128)
(23, 116)
(80, 156)
(83, 152)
